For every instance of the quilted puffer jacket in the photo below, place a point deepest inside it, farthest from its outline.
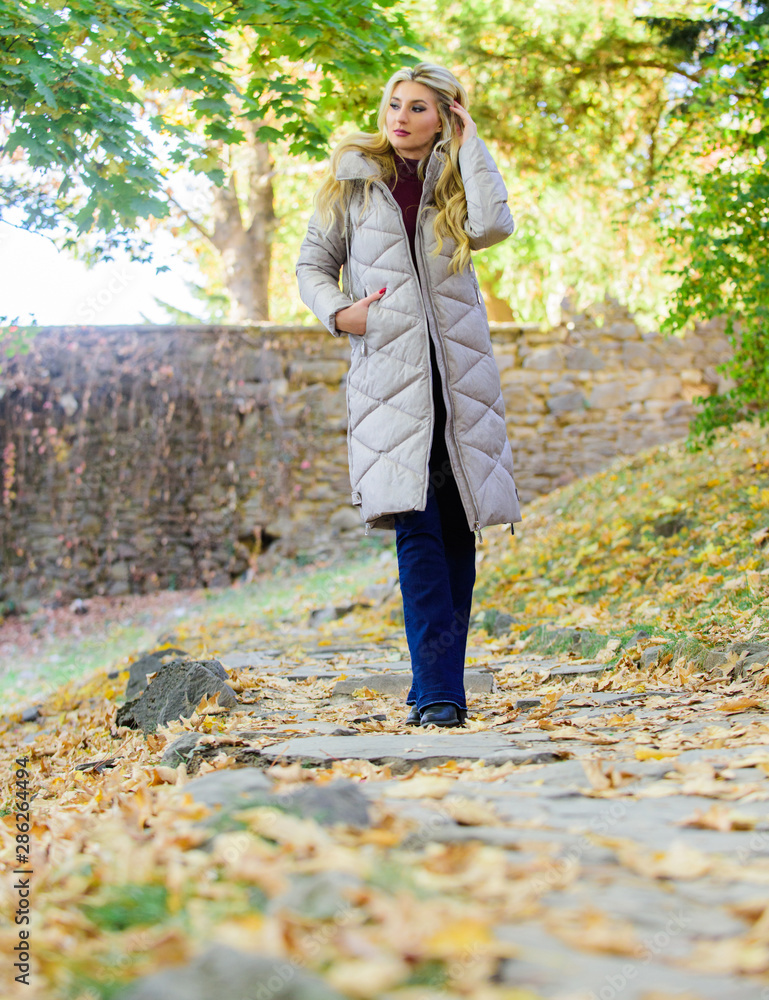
(389, 385)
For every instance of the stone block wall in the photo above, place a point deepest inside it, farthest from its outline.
(596, 387)
(133, 459)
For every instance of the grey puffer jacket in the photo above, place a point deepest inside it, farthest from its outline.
(389, 386)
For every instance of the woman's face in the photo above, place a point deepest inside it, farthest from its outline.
(412, 119)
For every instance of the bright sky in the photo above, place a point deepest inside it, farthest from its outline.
(39, 282)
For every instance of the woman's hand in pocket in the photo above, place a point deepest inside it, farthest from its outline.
(353, 318)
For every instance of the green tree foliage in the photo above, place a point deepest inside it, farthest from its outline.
(77, 79)
(722, 234)
(635, 143)
(575, 95)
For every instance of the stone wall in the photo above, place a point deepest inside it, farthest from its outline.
(596, 387)
(141, 458)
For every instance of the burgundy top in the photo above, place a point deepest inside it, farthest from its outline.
(407, 191)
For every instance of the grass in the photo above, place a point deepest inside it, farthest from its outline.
(223, 619)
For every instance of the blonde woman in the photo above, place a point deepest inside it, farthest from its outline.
(399, 213)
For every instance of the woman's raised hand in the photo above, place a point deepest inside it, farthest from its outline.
(353, 318)
(466, 127)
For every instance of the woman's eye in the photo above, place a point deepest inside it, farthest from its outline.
(395, 106)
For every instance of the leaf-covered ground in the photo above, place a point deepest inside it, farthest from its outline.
(130, 878)
(670, 541)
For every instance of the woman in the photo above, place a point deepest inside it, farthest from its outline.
(400, 212)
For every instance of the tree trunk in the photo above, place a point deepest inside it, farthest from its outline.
(245, 243)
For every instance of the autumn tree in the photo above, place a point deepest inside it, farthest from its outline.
(719, 239)
(90, 93)
(635, 139)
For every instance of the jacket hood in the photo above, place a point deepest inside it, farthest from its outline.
(355, 166)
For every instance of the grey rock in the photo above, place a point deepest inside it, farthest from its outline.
(446, 833)
(31, 714)
(379, 592)
(545, 359)
(337, 802)
(180, 750)
(608, 395)
(567, 403)
(230, 789)
(568, 671)
(173, 694)
(715, 658)
(331, 613)
(248, 658)
(221, 971)
(583, 359)
(319, 896)
(150, 663)
(650, 656)
(525, 704)
(496, 623)
(756, 652)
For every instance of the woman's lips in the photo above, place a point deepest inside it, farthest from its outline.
(400, 131)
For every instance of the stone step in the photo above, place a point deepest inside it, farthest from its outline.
(398, 683)
(402, 752)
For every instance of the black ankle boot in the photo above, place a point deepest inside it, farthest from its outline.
(414, 717)
(443, 713)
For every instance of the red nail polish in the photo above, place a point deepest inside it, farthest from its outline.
(382, 290)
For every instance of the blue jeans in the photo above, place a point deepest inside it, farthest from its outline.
(436, 564)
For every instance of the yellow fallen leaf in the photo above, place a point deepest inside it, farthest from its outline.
(471, 812)
(679, 862)
(732, 705)
(379, 837)
(422, 786)
(367, 977)
(548, 705)
(734, 955)
(366, 694)
(719, 817)
(164, 775)
(594, 930)
(652, 753)
(458, 936)
(595, 775)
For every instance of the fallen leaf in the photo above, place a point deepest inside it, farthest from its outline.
(733, 705)
(422, 786)
(719, 817)
(462, 935)
(471, 812)
(653, 753)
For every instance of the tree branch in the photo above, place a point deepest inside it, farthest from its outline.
(188, 217)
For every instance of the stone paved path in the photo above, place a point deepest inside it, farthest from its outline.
(635, 822)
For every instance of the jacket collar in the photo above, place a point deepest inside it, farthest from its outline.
(354, 166)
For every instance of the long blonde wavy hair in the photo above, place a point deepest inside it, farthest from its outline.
(449, 195)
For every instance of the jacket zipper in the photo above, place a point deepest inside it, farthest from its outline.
(388, 194)
(476, 527)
